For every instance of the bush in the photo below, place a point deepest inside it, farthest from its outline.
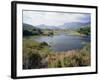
(27, 33)
(32, 61)
(43, 44)
(84, 30)
(59, 63)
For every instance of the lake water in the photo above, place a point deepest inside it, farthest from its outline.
(63, 42)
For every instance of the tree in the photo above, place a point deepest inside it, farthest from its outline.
(84, 30)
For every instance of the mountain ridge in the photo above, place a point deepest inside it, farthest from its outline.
(72, 25)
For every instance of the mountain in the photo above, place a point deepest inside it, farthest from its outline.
(74, 25)
(71, 25)
(43, 26)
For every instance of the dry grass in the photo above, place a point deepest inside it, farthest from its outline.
(71, 58)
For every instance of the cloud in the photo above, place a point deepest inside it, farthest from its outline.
(53, 18)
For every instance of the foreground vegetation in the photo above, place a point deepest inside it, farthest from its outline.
(38, 55)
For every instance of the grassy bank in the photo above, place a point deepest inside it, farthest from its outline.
(38, 55)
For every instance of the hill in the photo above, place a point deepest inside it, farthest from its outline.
(30, 30)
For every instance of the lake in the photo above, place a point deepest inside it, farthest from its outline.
(63, 42)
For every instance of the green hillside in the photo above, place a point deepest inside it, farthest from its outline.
(30, 30)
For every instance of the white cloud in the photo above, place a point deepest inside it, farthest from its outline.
(53, 18)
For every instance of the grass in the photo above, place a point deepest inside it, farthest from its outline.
(38, 55)
(73, 58)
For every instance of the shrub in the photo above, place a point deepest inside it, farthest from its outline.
(59, 63)
(84, 30)
(43, 44)
(27, 33)
(32, 61)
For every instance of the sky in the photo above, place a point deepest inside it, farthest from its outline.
(54, 18)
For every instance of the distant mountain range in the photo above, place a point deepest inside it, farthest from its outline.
(43, 26)
(72, 25)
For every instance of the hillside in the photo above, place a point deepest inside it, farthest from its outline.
(30, 30)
